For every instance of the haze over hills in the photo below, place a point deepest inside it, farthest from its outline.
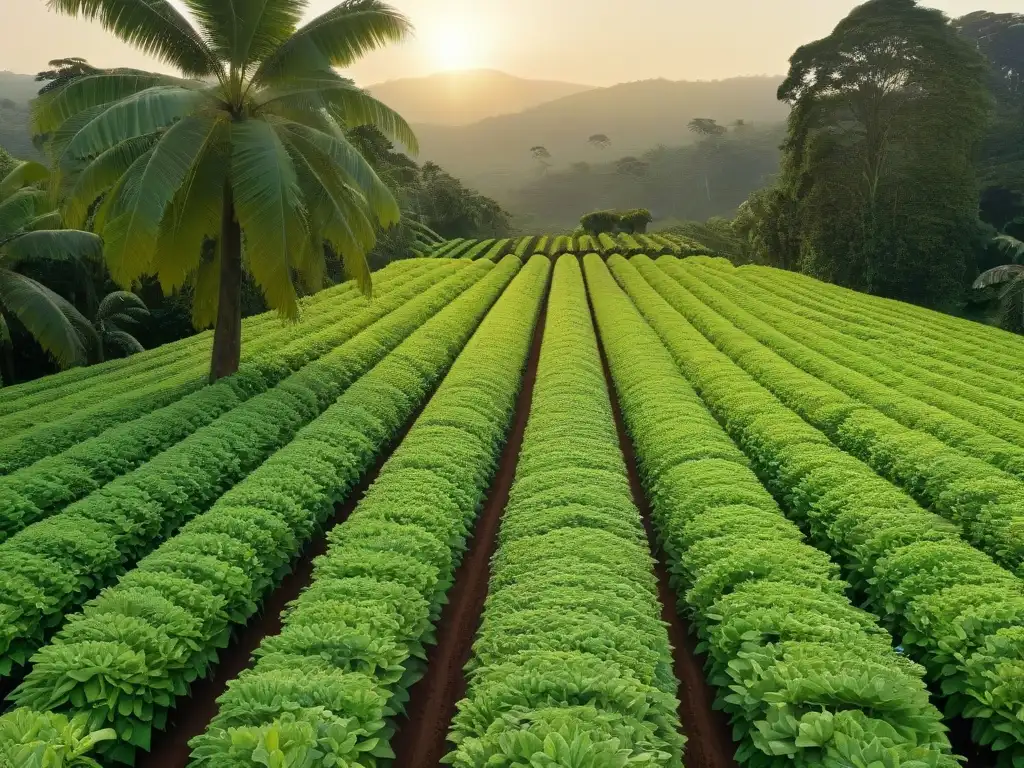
(494, 154)
(463, 97)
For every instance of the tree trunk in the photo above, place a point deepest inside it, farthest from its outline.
(227, 336)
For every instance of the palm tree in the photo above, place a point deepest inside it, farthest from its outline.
(31, 233)
(116, 317)
(243, 162)
(1011, 276)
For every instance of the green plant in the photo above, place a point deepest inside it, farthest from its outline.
(247, 150)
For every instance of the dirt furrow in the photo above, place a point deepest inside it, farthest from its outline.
(422, 737)
(193, 714)
(709, 741)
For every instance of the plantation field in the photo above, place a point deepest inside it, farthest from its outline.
(547, 501)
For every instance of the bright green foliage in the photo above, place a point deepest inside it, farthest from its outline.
(571, 657)
(461, 250)
(608, 244)
(58, 563)
(947, 603)
(47, 740)
(524, 246)
(499, 249)
(37, 490)
(214, 571)
(479, 249)
(768, 607)
(986, 502)
(445, 248)
(354, 641)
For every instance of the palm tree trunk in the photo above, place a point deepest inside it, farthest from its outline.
(227, 336)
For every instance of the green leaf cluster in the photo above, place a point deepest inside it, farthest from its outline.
(941, 598)
(807, 678)
(362, 625)
(571, 665)
(939, 458)
(59, 562)
(43, 487)
(134, 650)
(47, 740)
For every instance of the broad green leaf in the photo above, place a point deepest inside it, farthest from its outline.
(245, 31)
(45, 315)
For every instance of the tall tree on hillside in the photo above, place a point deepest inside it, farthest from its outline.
(600, 141)
(709, 130)
(542, 156)
(240, 163)
(887, 111)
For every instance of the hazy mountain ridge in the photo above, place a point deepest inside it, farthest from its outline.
(461, 98)
(494, 154)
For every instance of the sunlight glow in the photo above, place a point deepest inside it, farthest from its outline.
(454, 45)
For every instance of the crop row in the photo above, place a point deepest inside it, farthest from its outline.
(41, 489)
(951, 608)
(60, 432)
(902, 368)
(479, 249)
(986, 502)
(951, 338)
(897, 393)
(74, 380)
(354, 642)
(571, 665)
(56, 564)
(258, 340)
(556, 245)
(768, 607)
(133, 651)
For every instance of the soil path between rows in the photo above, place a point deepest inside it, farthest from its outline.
(193, 714)
(709, 740)
(422, 737)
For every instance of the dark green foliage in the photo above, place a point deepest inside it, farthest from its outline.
(635, 221)
(598, 222)
(878, 188)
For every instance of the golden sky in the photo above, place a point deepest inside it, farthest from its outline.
(598, 42)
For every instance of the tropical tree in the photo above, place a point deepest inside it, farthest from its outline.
(600, 140)
(31, 234)
(707, 127)
(1010, 278)
(887, 113)
(542, 156)
(118, 315)
(240, 163)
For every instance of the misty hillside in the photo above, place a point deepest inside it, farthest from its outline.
(459, 98)
(494, 154)
(15, 92)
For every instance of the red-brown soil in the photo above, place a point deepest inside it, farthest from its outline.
(709, 742)
(422, 737)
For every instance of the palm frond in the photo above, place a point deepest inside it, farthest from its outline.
(241, 32)
(140, 114)
(131, 234)
(998, 275)
(122, 341)
(193, 218)
(268, 205)
(45, 316)
(19, 209)
(119, 302)
(101, 175)
(350, 162)
(1011, 246)
(59, 245)
(22, 175)
(352, 106)
(153, 26)
(336, 38)
(48, 220)
(51, 110)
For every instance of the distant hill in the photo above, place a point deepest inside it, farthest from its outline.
(14, 131)
(460, 98)
(494, 154)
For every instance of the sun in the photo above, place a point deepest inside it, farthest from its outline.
(453, 45)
